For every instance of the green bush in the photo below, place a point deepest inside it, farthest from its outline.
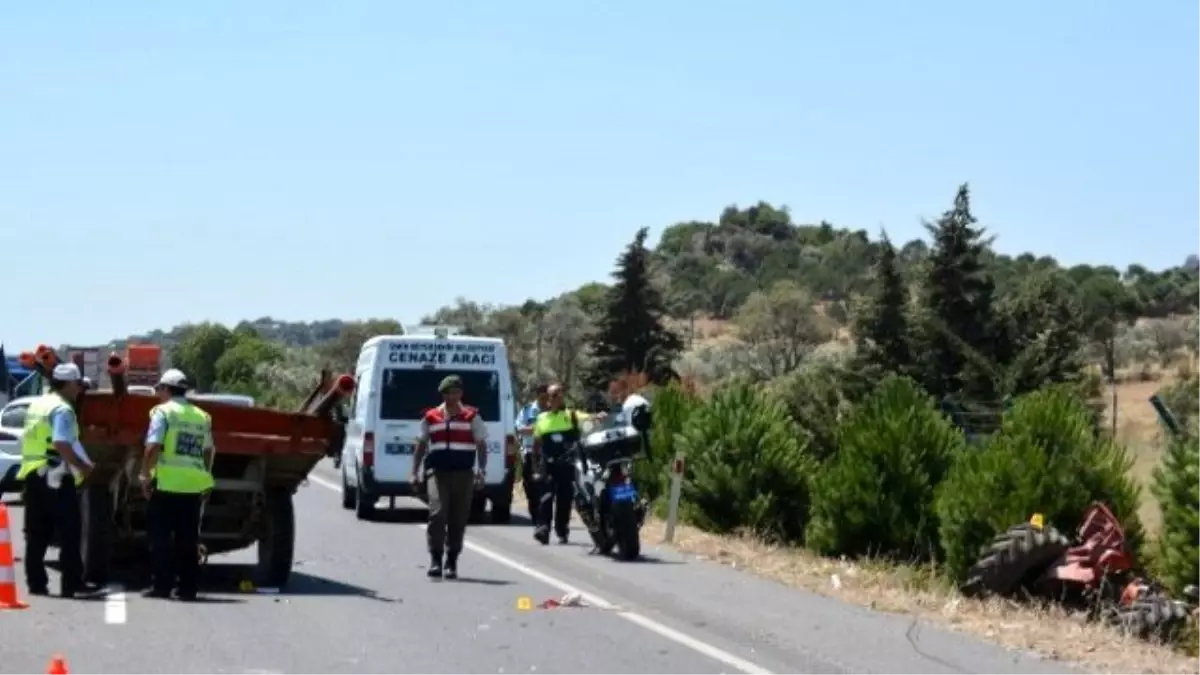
(1045, 459)
(747, 465)
(1177, 487)
(1182, 397)
(672, 406)
(814, 398)
(877, 494)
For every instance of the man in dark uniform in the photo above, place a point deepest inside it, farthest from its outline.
(525, 423)
(176, 475)
(53, 465)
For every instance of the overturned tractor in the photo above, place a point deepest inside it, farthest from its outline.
(1094, 572)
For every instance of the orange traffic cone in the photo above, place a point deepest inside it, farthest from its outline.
(8, 573)
(58, 666)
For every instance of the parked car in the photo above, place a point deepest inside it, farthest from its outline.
(12, 427)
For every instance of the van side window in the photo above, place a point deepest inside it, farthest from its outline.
(361, 395)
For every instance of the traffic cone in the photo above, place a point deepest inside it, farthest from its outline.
(8, 573)
(58, 666)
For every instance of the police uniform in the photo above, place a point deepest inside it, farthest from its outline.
(558, 432)
(179, 480)
(51, 488)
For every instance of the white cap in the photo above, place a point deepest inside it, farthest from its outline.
(66, 372)
(174, 377)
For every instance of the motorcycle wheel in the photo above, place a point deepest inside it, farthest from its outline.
(626, 533)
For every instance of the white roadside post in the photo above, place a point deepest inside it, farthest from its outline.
(673, 500)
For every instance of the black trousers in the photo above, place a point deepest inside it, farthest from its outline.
(173, 524)
(50, 512)
(530, 486)
(557, 496)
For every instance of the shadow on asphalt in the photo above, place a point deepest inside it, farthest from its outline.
(410, 515)
(225, 580)
(476, 580)
(652, 560)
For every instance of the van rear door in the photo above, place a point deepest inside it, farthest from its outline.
(404, 396)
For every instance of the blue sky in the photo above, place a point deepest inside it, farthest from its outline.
(171, 162)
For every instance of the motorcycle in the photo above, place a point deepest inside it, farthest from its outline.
(606, 498)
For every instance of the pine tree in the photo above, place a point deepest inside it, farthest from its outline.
(1177, 486)
(881, 329)
(632, 336)
(958, 301)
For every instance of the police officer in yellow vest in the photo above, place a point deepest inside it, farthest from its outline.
(175, 478)
(53, 465)
(555, 434)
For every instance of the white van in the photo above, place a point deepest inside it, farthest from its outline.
(396, 380)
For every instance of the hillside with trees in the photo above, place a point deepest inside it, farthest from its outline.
(802, 367)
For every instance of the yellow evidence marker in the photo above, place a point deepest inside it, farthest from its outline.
(1038, 521)
(525, 603)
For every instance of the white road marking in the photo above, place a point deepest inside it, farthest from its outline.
(699, 646)
(114, 605)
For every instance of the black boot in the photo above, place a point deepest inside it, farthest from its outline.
(451, 565)
(542, 534)
(435, 565)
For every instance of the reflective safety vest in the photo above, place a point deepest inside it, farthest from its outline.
(37, 441)
(451, 442)
(181, 467)
(558, 430)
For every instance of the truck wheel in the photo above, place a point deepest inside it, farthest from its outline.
(277, 543)
(349, 494)
(96, 511)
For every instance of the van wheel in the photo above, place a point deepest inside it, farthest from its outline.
(364, 503)
(349, 494)
(277, 544)
(478, 507)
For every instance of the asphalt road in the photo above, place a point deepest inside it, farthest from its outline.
(360, 602)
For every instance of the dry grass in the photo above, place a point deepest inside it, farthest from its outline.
(1138, 429)
(1050, 632)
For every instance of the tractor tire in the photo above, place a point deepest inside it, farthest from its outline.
(96, 511)
(277, 543)
(1156, 618)
(1014, 559)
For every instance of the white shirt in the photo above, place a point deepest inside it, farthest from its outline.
(62, 425)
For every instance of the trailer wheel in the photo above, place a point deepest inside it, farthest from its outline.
(96, 511)
(1152, 618)
(1014, 559)
(277, 543)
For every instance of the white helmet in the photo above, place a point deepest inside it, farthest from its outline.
(174, 378)
(66, 372)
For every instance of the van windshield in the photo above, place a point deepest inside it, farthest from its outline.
(406, 394)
